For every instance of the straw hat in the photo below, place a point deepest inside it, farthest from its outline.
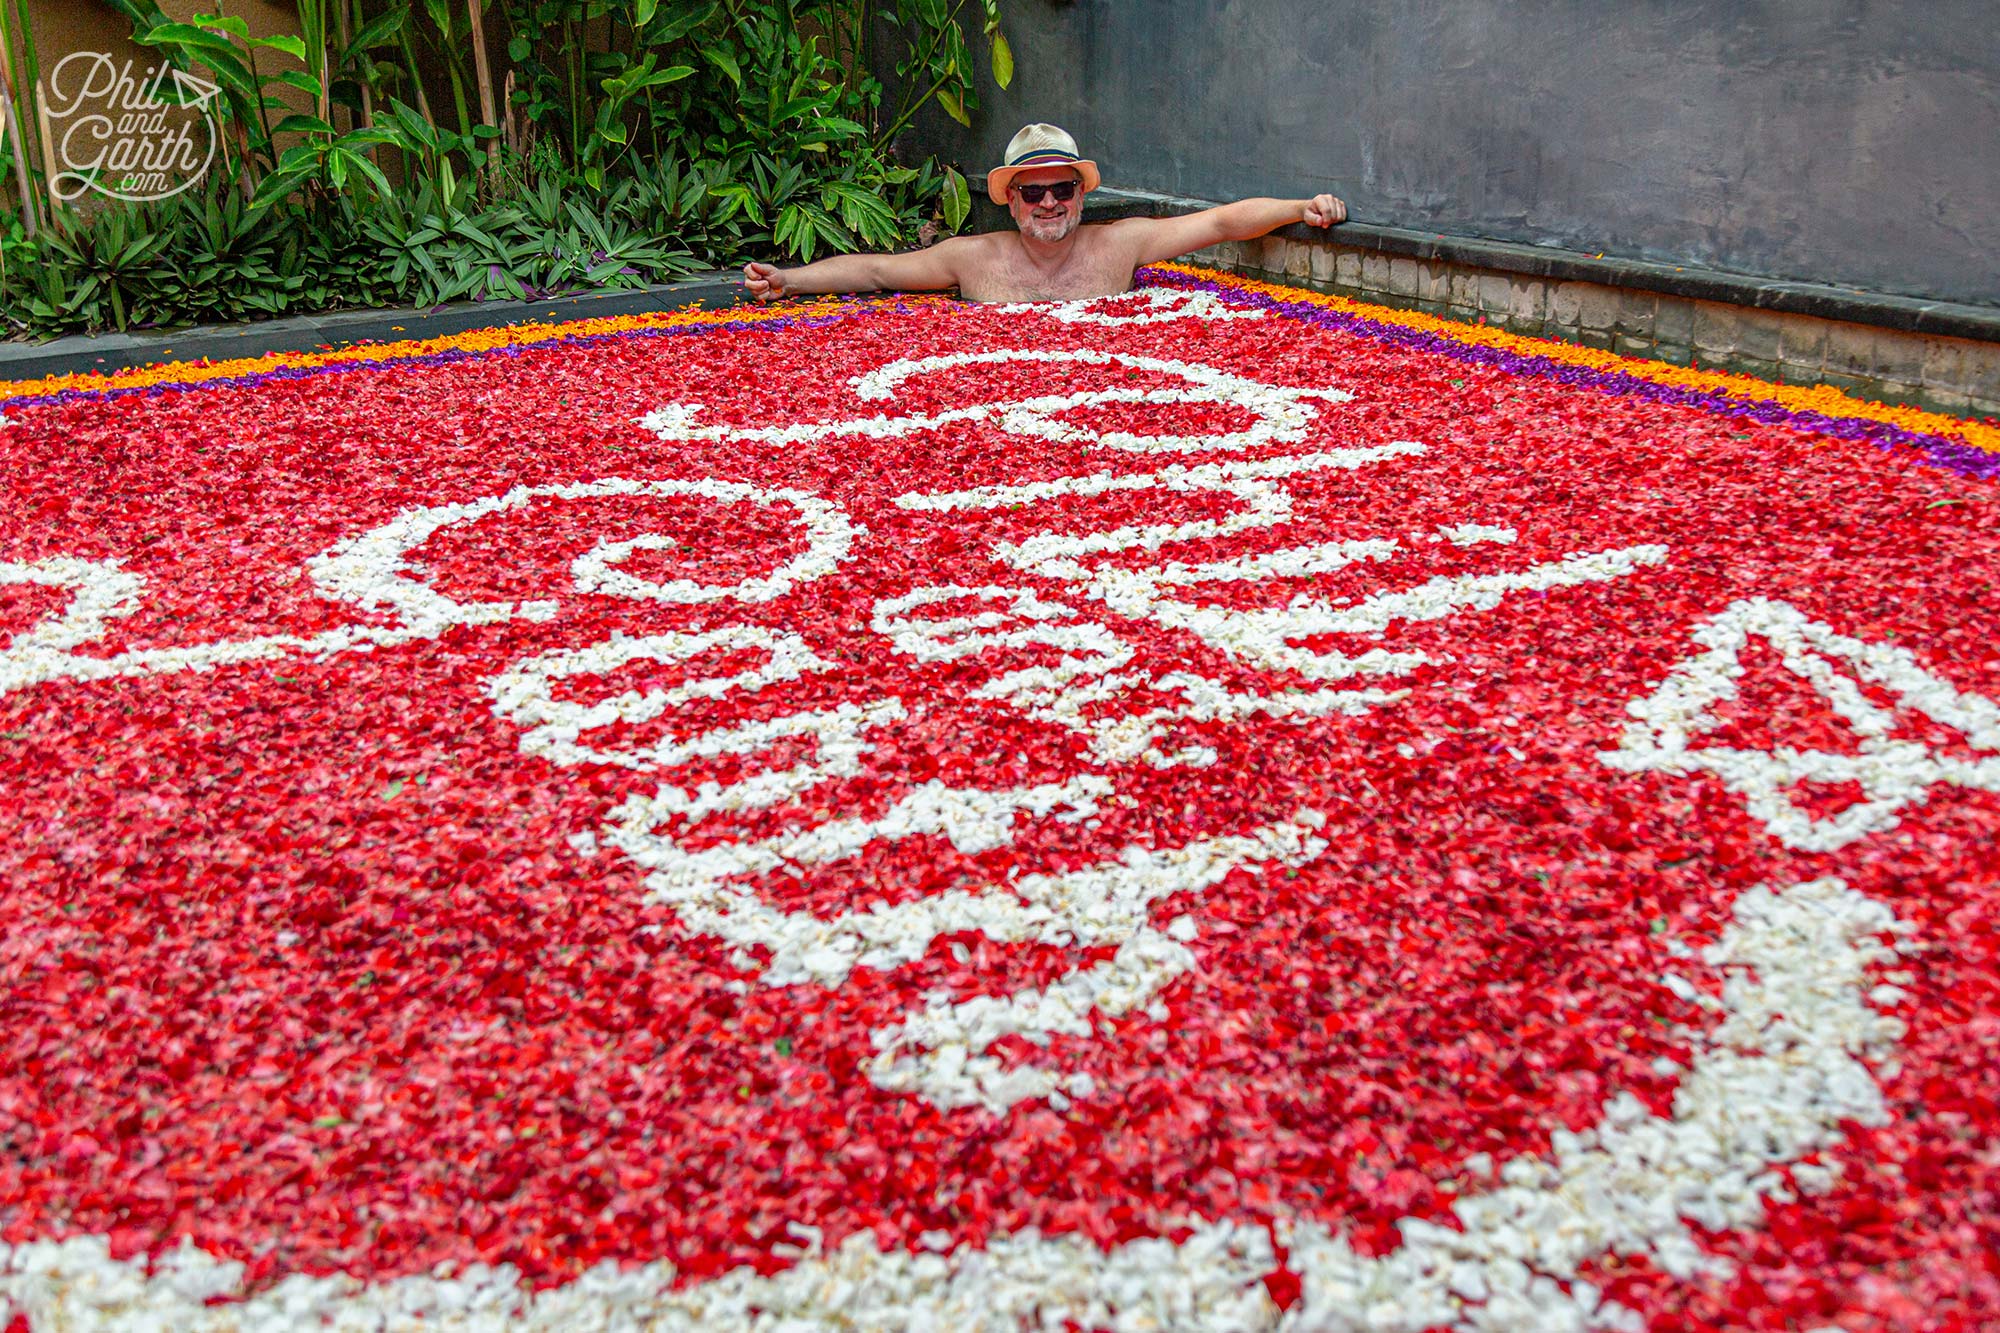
(1039, 146)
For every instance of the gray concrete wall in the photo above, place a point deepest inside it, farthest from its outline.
(1852, 142)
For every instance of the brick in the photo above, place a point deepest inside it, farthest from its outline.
(1375, 272)
(1347, 269)
(1850, 349)
(1638, 312)
(1323, 258)
(1714, 330)
(1899, 357)
(1464, 288)
(1601, 306)
(1566, 303)
(1271, 254)
(1802, 342)
(1982, 372)
(1495, 293)
(1221, 256)
(1626, 345)
(1945, 362)
(1433, 283)
(1601, 339)
(1567, 332)
(1527, 300)
(1402, 276)
(1673, 322)
(1760, 367)
(1946, 400)
(1858, 385)
(1759, 334)
(1464, 314)
(1677, 354)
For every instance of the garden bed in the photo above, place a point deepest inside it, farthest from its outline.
(1217, 808)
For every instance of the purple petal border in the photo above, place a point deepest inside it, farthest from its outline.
(1937, 450)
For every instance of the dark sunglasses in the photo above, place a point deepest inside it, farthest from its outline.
(1064, 191)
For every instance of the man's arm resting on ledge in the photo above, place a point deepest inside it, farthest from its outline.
(1246, 219)
(916, 271)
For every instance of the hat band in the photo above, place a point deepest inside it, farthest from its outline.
(1043, 155)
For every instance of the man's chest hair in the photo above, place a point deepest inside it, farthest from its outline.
(1094, 267)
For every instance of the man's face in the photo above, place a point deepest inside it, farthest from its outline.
(1051, 219)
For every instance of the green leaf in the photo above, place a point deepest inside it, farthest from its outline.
(414, 125)
(642, 12)
(954, 106)
(218, 53)
(725, 62)
(1003, 60)
(364, 138)
(366, 169)
(298, 124)
(385, 29)
(295, 47)
(277, 186)
(298, 78)
(228, 23)
(957, 199)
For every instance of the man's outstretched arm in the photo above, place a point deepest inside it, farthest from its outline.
(916, 271)
(1166, 238)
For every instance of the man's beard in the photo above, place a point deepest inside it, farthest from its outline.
(1050, 229)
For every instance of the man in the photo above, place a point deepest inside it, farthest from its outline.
(1049, 257)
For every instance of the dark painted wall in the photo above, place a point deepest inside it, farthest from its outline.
(1853, 142)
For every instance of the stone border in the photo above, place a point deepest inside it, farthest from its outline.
(1893, 349)
(108, 352)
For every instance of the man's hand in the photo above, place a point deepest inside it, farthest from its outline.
(764, 282)
(1323, 210)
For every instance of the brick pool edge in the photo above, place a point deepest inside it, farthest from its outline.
(1940, 356)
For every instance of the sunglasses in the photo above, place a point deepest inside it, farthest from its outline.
(1064, 191)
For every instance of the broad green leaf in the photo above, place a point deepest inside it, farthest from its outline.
(297, 124)
(414, 125)
(642, 12)
(957, 199)
(1003, 60)
(374, 134)
(368, 171)
(954, 106)
(228, 23)
(385, 29)
(277, 186)
(298, 78)
(295, 47)
(219, 53)
(725, 62)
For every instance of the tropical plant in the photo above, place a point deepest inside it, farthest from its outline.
(647, 138)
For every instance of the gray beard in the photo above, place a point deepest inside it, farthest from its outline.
(1050, 229)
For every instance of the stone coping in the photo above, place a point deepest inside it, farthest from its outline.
(1904, 313)
(83, 353)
